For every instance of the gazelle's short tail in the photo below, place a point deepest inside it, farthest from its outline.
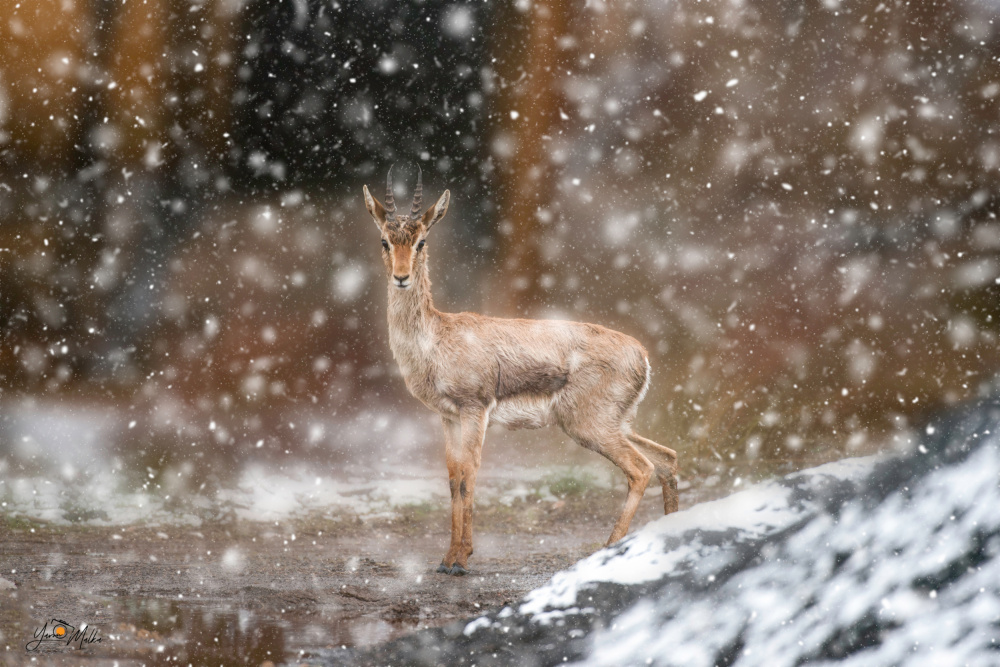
(645, 385)
(643, 373)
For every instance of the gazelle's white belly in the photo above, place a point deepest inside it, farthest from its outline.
(524, 411)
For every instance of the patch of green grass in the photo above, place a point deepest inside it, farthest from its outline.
(315, 523)
(569, 483)
(13, 522)
(77, 514)
(417, 512)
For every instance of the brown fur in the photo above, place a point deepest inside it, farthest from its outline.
(475, 370)
(514, 377)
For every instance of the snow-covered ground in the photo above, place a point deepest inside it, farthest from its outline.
(687, 537)
(863, 562)
(105, 495)
(911, 580)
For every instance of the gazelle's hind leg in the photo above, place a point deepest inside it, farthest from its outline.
(664, 462)
(615, 447)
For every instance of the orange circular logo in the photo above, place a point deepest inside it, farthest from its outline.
(60, 631)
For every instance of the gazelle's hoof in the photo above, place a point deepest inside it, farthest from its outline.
(444, 569)
(457, 570)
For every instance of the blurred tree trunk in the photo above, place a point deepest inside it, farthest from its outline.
(139, 84)
(528, 107)
(171, 73)
(42, 51)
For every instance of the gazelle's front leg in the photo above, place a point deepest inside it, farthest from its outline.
(452, 453)
(465, 445)
(473, 433)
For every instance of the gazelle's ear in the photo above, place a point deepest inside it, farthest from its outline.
(436, 212)
(376, 209)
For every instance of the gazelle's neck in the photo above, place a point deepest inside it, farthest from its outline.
(412, 318)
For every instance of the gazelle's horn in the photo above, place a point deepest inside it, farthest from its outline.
(418, 194)
(390, 203)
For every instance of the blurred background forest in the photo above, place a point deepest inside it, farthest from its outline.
(792, 204)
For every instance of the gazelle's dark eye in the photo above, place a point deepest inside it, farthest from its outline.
(420, 246)
(385, 244)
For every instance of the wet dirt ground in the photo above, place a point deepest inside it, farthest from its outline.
(246, 593)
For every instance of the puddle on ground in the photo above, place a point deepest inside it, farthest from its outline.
(167, 632)
(212, 635)
(200, 636)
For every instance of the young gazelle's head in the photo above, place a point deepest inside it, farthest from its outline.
(404, 234)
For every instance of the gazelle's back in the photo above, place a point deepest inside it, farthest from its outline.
(533, 368)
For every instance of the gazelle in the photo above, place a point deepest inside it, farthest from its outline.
(475, 370)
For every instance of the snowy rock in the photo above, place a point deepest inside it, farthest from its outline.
(863, 562)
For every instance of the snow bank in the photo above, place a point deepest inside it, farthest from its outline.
(672, 541)
(913, 580)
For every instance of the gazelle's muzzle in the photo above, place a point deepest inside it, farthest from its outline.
(402, 266)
